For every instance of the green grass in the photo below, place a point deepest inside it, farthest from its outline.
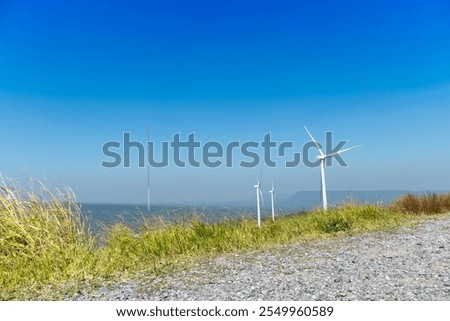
(45, 245)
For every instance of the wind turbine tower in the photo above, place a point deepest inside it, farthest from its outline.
(272, 197)
(259, 197)
(322, 157)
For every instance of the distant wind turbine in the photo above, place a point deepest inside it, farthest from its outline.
(148, 173)
(258, 196)
(322, 157)
(272, 196)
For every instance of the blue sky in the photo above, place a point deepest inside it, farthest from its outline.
(74, 76)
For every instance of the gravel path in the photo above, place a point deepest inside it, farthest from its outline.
(410, 264)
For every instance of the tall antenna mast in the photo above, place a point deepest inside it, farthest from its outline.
(148, 172)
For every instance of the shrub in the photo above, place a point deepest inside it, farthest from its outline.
(335, 225)
(430, 203)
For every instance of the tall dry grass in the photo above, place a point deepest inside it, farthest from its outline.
(43, 238)
(430, 203)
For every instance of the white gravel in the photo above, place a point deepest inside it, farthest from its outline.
(410, 264)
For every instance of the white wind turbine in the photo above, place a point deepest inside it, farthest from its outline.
(258, 197)
(322, 157)
(272, 197)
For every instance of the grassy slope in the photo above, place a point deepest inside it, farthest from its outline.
(44, 242)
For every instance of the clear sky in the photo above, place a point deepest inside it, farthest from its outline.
(74, 76)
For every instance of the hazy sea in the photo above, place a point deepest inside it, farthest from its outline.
(100, 214)
(302, 201)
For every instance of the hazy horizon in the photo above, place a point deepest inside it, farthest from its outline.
(251, 199)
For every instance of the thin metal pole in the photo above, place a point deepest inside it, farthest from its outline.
(148, 172)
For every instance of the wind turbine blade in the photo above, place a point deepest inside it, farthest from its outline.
(315, 142)
(260, 177)
(342, 151)
(258, 182)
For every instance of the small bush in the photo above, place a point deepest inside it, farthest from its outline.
(335, 225)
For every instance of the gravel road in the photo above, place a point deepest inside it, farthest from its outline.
(409, 264)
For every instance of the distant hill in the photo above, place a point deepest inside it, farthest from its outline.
(306, 200)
